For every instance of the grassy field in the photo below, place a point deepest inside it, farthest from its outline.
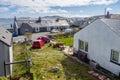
(67, 41)
(45, 59)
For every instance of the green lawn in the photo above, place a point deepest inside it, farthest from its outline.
(67, 41)
(46, 58)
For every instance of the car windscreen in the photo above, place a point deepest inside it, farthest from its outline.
(35, 43)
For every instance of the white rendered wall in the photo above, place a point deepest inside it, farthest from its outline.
(101, 39)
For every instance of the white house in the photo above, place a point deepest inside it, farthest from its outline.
(40, 25)
(5, 51)
(101, 42)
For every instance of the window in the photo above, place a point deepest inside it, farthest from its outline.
(36, 43)
(26, 30)
(86, 46)
(114, 56)
(83, 45)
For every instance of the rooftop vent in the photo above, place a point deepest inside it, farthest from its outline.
(57, 19)
(3, 37)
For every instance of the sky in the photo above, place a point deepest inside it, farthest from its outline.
(65, 8)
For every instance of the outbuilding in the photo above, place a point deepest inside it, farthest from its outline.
(5, 52)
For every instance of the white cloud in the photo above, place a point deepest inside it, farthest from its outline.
(73, 15)
(38, 10)
(104, 2)
(44, 6)
(3, 9)
(108, 9)
(41, 3)
(78, 2)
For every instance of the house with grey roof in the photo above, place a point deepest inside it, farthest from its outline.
(5, 51)
(40, 25)
(100, 41)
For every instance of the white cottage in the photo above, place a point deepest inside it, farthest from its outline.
(40, 25)
(101, 42)
(5, 51)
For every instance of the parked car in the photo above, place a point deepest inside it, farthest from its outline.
(46, 39)
(37, 44)
(68, 30)
(14, 34)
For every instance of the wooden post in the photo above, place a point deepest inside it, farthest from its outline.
(29, 65)
(5, 69)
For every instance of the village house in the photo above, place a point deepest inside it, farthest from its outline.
(5, 51)
(40, 25)
(100, 41)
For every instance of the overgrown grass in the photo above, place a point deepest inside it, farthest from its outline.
(46, 58)
(3, 78)
(67, 41)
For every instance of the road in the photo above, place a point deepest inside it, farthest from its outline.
(34, 36)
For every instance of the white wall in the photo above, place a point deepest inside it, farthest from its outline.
(11, 57)
(16, 27)
(37, 29)
(101, 39)
(48, 28)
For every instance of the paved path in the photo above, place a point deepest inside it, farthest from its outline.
(68, 50)
(69, 54)
(34, 36)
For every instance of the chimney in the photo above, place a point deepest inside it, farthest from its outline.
(107, 15)
(15, 18)
(11, 26)
(57, 19)
(39, 20)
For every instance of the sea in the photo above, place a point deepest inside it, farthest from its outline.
(6, 22)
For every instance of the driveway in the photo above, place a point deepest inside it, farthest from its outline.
(34, 36)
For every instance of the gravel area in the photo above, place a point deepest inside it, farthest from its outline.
(34, 36)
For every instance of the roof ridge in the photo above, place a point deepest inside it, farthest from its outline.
(115, 27)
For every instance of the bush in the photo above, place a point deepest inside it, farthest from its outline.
(3, 78)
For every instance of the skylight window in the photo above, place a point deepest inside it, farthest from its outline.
(3, 37)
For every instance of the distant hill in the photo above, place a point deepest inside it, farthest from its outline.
(112, 16)
(52, 17)
(24, 17)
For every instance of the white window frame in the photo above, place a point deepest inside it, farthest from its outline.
(37, 29)
(112, 56)
(84, 45)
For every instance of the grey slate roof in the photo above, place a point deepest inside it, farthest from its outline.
(114, 25)
(5, 36)
(43, 23)
(20, 22)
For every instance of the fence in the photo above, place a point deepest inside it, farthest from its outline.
(19, 67)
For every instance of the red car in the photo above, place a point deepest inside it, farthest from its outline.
(44, 38)
(37, 44)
